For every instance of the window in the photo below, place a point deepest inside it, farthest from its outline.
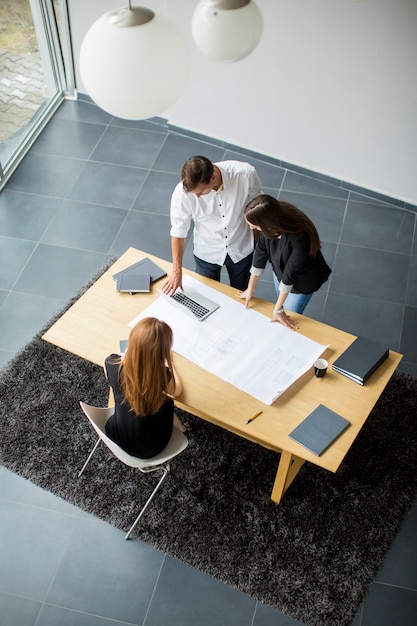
(36, 73)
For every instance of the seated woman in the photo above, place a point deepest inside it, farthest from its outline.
(144, 382)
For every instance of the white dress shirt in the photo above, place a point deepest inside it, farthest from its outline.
(219, 225)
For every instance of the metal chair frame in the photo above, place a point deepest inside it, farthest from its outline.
(98, 417)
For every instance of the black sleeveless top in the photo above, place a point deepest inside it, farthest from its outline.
(140, 436)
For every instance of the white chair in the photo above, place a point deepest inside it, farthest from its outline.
(161, 462)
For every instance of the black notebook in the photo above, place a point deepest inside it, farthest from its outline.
(145, 266)
(133, 283)
(319, 429)
(361, 359)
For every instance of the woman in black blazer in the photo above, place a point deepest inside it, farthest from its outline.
(290, 241)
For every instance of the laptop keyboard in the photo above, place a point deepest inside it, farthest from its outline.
(197, 309)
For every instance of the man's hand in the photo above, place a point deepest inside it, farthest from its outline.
(285, 320)
(245, 295)
(173, 281)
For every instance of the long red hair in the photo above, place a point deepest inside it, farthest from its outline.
(144, 373)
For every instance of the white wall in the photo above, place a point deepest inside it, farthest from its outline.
(331, 87)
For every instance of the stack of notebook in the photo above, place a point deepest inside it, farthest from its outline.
(138, 277)
(361, 359)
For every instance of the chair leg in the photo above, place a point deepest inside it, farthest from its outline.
(161, 480)
(89, 457)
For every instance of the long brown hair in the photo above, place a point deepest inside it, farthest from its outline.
(275, 217)
(143, 373)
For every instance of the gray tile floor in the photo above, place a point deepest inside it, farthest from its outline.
(90, 187)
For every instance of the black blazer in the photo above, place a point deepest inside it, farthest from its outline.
(291, 261)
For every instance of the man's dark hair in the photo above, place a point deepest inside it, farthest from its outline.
(196, 170)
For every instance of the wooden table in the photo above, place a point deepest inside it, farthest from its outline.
(93, 326)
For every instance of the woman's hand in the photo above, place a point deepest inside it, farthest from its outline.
(285, 320)
(245, 295)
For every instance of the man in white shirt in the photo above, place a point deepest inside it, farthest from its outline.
(213, 196)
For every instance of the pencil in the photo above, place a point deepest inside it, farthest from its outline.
(254, 417)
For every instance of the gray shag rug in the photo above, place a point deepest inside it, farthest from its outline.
(313, 557)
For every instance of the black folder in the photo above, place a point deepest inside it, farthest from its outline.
(361, 359)
(319, 429)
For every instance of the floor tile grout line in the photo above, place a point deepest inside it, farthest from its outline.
(154, 589)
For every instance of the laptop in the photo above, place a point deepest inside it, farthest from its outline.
(191, 302)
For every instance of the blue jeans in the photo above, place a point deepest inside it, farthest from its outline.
(295, 302)
(238, 272)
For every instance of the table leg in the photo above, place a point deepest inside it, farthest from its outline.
(288, 468)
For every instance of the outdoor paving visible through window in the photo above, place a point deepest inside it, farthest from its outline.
(22, 82)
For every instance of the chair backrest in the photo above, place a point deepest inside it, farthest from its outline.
(98, 417)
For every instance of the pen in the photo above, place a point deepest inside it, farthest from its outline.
(254, 417)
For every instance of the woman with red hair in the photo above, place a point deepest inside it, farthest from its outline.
(144, 383)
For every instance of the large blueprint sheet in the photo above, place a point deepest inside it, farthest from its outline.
(239, 345)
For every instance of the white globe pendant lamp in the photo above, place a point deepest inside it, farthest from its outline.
(226, 30)
(133, 63)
